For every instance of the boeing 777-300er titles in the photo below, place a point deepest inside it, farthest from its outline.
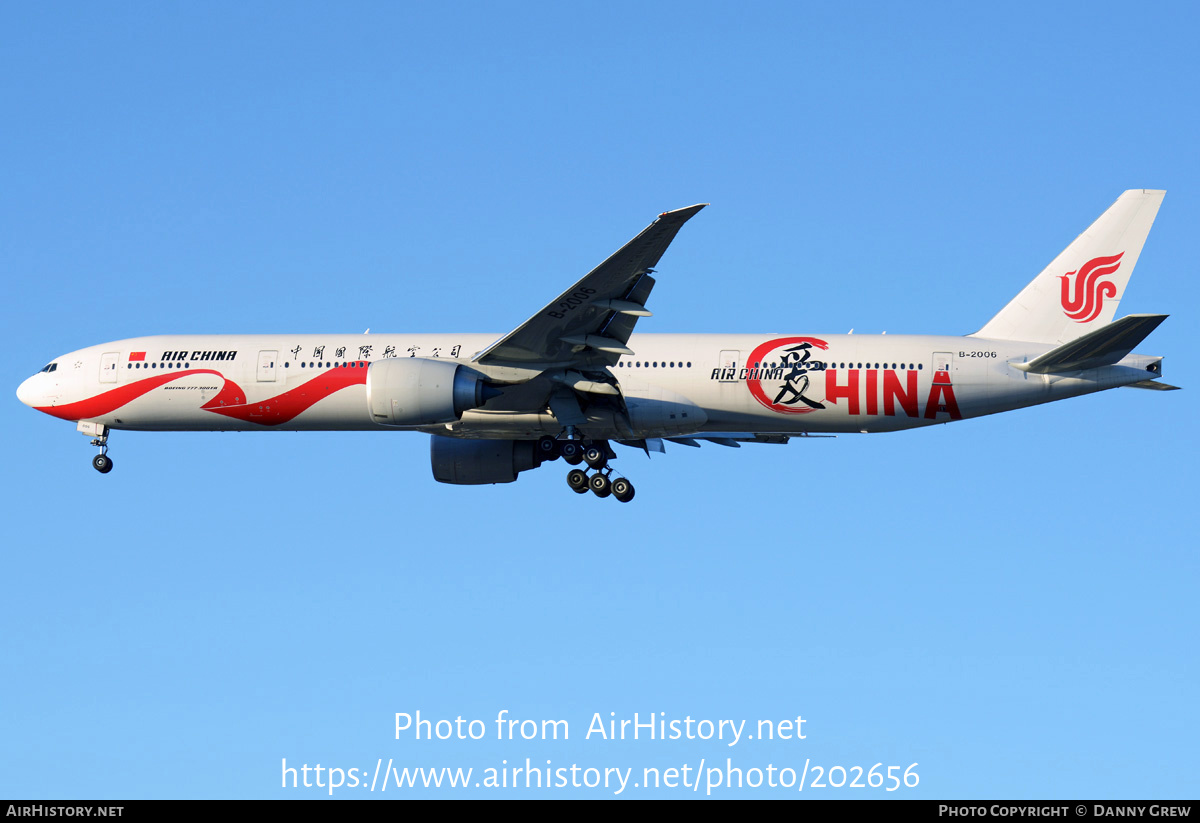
(573, 378)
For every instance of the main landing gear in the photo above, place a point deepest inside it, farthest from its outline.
(595, 454)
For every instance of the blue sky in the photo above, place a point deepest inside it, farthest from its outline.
(1009, 602)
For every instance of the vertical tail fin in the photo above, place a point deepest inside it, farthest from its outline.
(1079, 291)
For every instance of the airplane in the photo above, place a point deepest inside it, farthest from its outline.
(574, 379)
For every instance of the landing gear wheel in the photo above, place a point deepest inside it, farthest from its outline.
(622, 489)
(548, 448)
(572, 452)
(102, 463)
(600, 486)
(595, 457)
(577, 479)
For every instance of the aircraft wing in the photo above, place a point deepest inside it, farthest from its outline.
(589, 324)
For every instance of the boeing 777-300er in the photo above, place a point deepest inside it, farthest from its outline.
(574, 378)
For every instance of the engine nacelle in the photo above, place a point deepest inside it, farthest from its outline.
(417, 391)
(476, 462)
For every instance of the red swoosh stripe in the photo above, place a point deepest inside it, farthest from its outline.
(283, 407)
(114, 399)
(230, 400)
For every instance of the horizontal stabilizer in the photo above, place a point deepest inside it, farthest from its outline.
(1153, 385)
(1102, 347)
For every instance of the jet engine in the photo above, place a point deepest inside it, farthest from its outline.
(476, 462)
(417, 391)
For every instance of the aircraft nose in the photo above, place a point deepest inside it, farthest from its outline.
(26, 393)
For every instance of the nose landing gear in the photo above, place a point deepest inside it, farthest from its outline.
(102, 462)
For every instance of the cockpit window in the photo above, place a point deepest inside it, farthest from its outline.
(50, 368)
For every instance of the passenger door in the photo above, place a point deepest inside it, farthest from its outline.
(267, 368)
(110, 361)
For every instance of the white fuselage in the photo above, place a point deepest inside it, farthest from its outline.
(730, 383)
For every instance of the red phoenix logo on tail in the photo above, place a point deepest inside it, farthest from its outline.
(1089, 296)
